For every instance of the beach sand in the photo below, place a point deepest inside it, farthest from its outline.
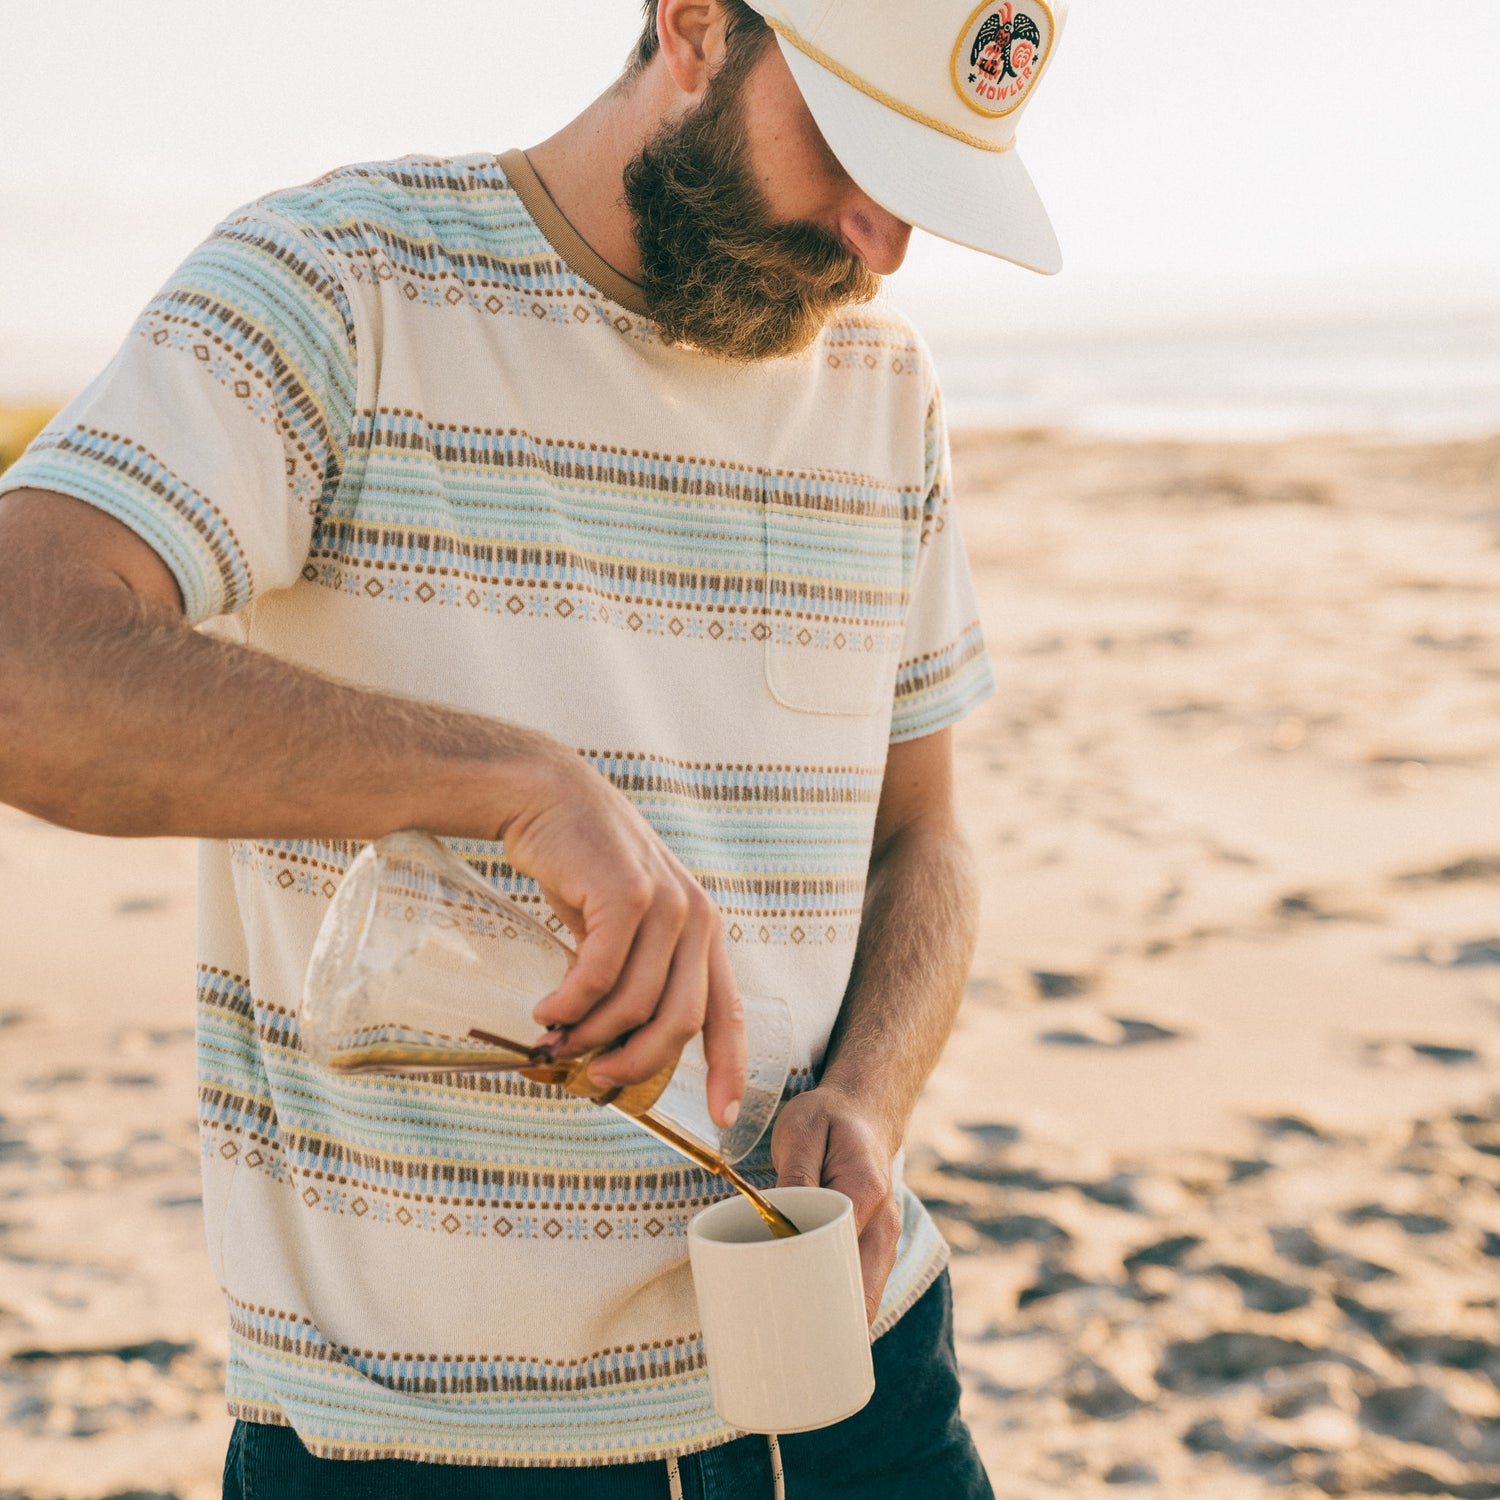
(1217, 1141)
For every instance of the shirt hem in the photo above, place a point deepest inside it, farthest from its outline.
(271, 1416)
(245, 1411)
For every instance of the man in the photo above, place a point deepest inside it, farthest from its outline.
(577, 505)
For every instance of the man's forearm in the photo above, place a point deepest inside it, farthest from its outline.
(915, 947)
(117, 719)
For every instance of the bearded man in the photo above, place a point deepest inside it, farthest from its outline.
(582, 506)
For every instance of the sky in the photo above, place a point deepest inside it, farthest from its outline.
(1205, 163)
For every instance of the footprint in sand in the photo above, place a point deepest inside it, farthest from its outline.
(1475, 867)
(1263, 1293)
(1386, 1052)
(1473, 954)
(1055, 985)
(134, 906)
(1112, 1032)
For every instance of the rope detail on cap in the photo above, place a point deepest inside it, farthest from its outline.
(879, 95)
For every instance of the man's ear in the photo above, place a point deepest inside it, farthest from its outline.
(692, 39)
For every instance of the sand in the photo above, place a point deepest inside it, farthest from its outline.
(1217, 1142)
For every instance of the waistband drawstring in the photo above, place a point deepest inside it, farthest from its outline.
(778, 1475)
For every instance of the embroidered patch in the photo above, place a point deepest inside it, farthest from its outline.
(1000, 54)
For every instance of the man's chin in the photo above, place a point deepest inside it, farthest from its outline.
(779, 334)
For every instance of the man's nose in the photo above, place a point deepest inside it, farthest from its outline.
(874, 234)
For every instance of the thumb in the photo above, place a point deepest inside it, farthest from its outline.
(798, 1145)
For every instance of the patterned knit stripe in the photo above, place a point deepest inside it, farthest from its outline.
(351, 1418)
(643, 1203)
(718, 783)
(258, 292)
(185, 527)
(347, 1406)
(932, 693)
(717, 488)
(820, 546)
(373, 1164)
(474, 1139)
(746, 580)
(504, 254)
(467, 1377)
(746, 812)
(227, 1042)
(340, 1131)
(738, 855)
(929, 672)
(739, 890)
(812, 895)
(730, 824)
(816, 840)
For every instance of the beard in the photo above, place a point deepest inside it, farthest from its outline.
(717, 273)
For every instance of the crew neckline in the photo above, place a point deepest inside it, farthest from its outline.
(580, 257)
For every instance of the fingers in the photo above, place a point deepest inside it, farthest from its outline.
(723, 1035)
(799, 1142)
(877, 1252)
(651, 964)
(814, 1143)
(608, 937)
(660, 954)
(657, 1042)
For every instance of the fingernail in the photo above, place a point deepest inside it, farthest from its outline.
(731, 1113)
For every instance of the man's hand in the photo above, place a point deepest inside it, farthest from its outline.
(825, 1138)
(915, 943)
(652, 964)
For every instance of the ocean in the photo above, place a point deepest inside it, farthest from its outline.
(1406, 378)
(1409, 378)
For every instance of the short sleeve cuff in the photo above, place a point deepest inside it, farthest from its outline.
(938, 690)
(130, 484)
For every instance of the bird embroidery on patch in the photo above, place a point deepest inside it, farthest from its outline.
(1000, 53)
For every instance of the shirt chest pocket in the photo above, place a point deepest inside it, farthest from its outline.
(835, 598)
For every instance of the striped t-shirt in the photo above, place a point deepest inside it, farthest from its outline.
(402, 426)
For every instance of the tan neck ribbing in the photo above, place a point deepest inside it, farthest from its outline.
(580, 256)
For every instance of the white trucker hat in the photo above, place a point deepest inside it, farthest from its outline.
(919, 100)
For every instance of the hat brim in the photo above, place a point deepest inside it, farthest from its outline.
(982, 199)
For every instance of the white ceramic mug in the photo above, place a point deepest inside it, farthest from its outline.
(783, 1320)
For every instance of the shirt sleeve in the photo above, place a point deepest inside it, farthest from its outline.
(224, 419)
(944, 670)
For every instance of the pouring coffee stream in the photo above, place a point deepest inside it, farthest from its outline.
(540, 1065)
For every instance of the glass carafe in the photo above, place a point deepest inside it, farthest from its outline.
(421, 966)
